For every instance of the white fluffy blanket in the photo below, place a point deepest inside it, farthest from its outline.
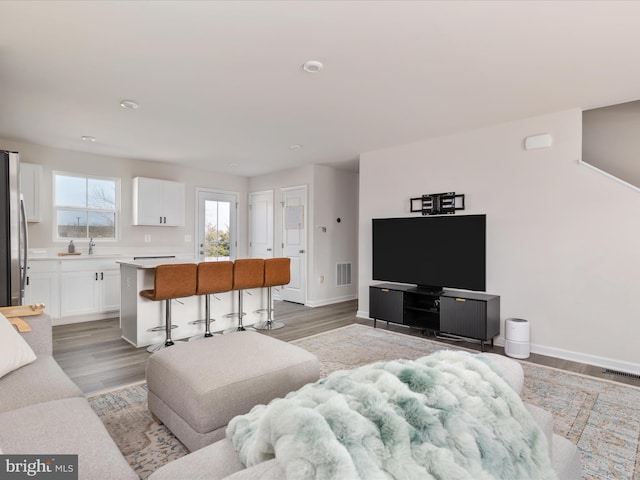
(446, 416)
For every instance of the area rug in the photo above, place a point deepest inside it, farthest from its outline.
(601, 417)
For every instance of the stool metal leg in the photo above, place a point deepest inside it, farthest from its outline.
(269, 324)
(168, 342)
(240, 327)
(207, 321)
(167, 327)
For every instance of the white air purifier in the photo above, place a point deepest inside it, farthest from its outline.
(516, 336)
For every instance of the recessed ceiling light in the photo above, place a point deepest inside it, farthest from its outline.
(88, 138)
(312, 66)
(129, 104)
(296, 146)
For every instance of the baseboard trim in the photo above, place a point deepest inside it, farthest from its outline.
(598, 361)
(579, 357)
(84, 318)
(330, 301)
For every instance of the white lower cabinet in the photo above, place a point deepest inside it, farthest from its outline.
(89, 286)
(75, 289)
(79, 293)
(110, 290)
(42, 287)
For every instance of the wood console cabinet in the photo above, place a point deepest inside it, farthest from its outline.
(464, 314)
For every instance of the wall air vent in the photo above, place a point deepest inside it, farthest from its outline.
(622, 374)
(343, 274)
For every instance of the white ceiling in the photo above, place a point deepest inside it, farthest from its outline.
(220, 84)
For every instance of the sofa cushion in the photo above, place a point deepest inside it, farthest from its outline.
(269, 470)
(40, 338)
(213, 462)
(544, 420)
(38, 382)
(15, 352)
(66, 426)
(509, 369)
(566, 459)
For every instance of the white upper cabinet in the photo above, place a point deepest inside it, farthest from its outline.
(158, 202)
(30, 177)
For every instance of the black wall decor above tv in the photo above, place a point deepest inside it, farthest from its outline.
(431, 252)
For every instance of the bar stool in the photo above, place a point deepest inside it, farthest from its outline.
(247, 273)
(277, 272)
(213, 277)
(170, 281)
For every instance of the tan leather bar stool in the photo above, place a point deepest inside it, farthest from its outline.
(277, 272)
(170, 281)
(213, 277)
(247, 273)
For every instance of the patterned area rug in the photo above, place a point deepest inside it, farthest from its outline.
(601, 417)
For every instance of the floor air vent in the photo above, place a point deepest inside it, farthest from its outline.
(622, 374)
(343, 274)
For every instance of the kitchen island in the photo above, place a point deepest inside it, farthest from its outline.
(139, 316)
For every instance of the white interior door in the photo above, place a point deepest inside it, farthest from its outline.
(261, 224)
(294, 241)
(216, 226)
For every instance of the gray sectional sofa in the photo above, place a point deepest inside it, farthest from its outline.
(219, 461)
(43, 412)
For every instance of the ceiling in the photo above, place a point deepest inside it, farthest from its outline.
(220, 85)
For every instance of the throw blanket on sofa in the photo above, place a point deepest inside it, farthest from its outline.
(445, 416)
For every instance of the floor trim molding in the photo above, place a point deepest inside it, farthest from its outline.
(579, 357)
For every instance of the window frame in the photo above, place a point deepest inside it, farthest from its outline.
(55, 208)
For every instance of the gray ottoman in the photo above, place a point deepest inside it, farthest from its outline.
(195, 388)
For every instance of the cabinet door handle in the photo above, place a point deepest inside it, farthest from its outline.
(384, 290)
(461, 299)
(160, 219)
(165, 219)
(96, 276)
(101, 275)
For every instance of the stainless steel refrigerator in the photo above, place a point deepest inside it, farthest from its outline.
(13, 232)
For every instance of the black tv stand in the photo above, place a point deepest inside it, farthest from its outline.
(429, 290)
(464, 314)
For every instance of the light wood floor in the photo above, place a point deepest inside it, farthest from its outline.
(96, 358)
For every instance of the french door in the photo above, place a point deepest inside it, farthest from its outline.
(216, 225)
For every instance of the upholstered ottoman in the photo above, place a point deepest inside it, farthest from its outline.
(195, 388)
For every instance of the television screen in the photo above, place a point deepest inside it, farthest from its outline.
(431, 252)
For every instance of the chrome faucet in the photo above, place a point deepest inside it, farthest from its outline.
(91, 245)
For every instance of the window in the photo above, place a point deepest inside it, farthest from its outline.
(85, 207)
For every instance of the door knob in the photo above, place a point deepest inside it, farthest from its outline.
(301, 251)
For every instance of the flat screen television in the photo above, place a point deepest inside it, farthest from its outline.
(431, 252)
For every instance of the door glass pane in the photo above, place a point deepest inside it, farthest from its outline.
(217, 231)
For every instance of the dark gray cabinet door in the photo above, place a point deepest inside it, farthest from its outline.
(386, 304)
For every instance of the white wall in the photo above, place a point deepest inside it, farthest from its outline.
(163, 239)
(335, 196)
(332, 193)
(562, 240)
